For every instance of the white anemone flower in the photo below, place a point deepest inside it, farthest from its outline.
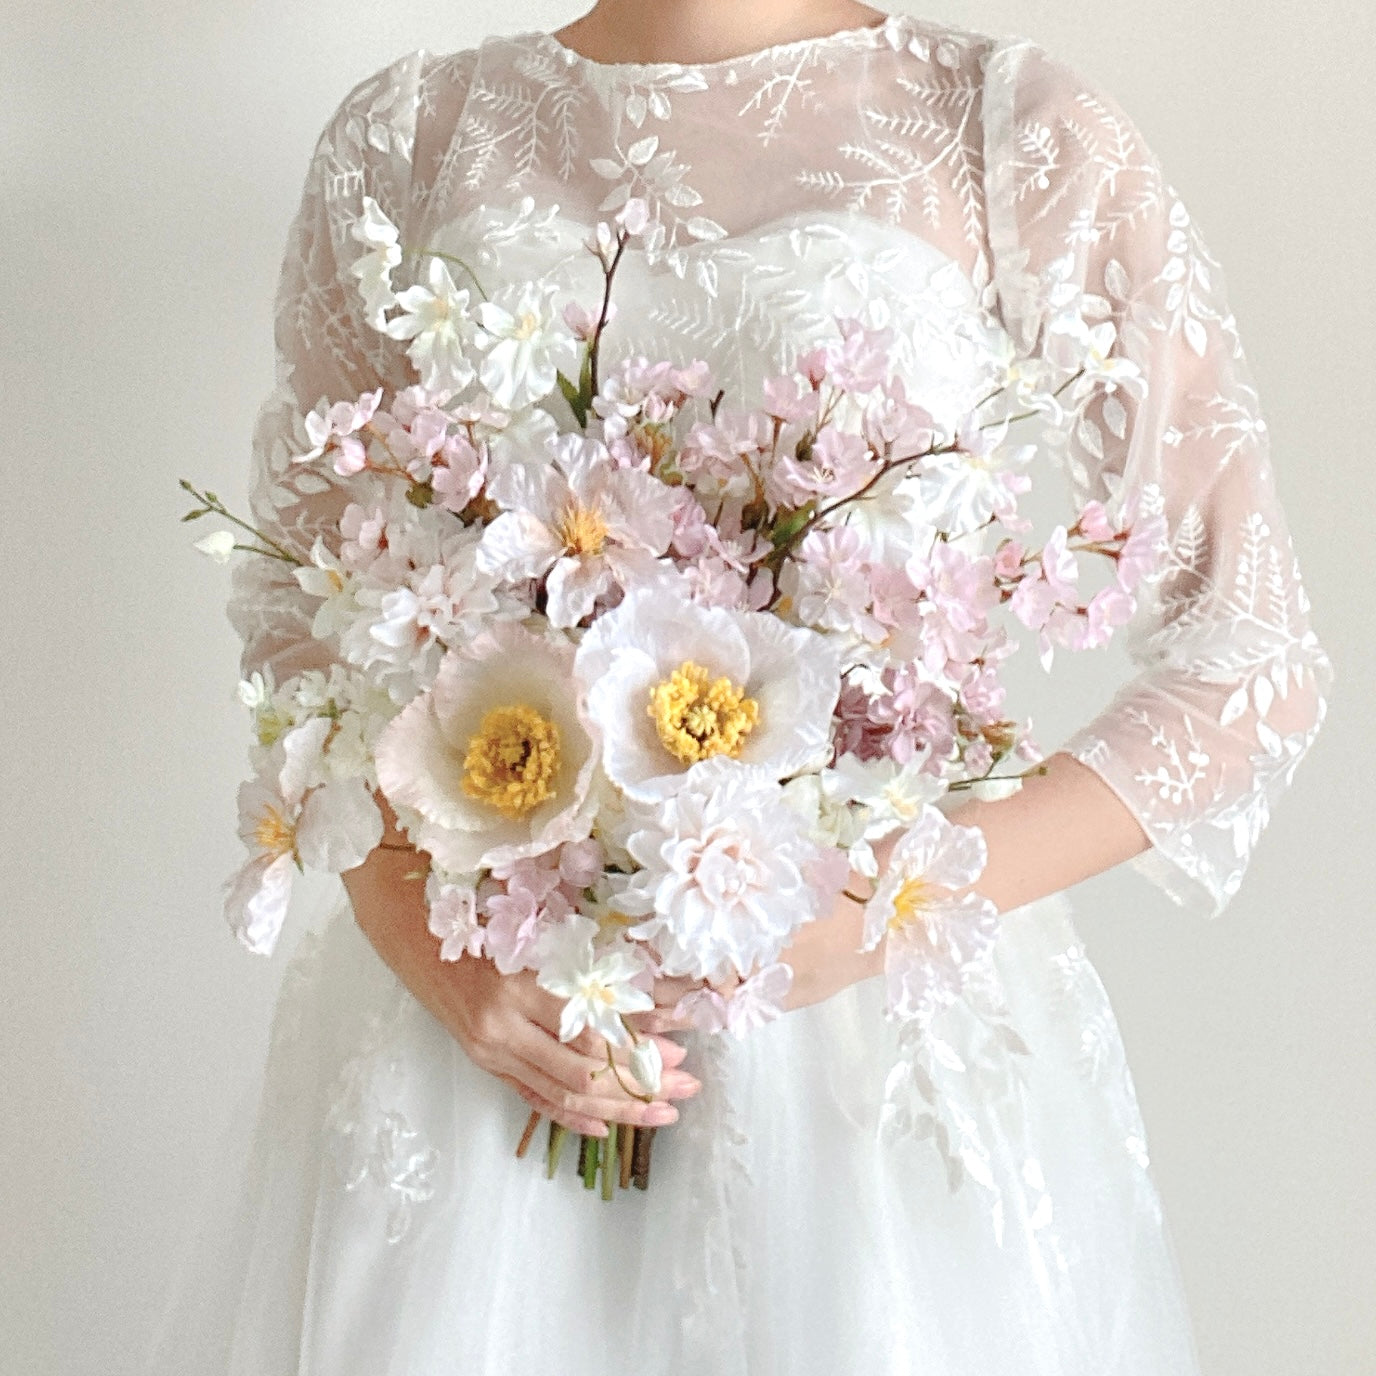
(671, 684)
(725, 874)
(585, 525)
(494, 759)
(934, 939)
(525, 345)
(374, 268)
(599, 984)
(435, 319)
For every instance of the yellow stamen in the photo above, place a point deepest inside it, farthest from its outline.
(273, 834)
(914, 897)
(582, 530)
(512, 760)
(697, 717)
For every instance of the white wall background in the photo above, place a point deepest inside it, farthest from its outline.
(152, 155)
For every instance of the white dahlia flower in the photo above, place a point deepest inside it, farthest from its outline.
(493, 759)
(671, 684)
(724, 876)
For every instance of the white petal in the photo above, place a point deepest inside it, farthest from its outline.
(256, 900)
(647, 1065)
(340, 824)
(218, 545)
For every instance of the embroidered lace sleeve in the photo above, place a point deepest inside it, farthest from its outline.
(372, 145)
(1231, 683)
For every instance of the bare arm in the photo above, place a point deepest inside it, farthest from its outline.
(1059, 828)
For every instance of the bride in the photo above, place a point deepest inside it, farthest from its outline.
(831, 1194)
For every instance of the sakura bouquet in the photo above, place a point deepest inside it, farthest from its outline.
(645, 670)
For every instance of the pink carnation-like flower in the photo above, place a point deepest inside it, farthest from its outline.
(341, 422)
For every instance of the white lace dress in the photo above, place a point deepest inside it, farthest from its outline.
(839, 1198)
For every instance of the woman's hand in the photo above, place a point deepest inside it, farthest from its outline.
(825, 958)
(506, 1024)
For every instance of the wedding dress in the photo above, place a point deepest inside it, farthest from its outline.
(842, 1197)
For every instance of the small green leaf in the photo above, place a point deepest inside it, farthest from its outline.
(574, 397)
(788, 526)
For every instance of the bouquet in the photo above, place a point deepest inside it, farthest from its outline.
(636, 664)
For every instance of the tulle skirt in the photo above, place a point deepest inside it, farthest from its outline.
(839, 1198)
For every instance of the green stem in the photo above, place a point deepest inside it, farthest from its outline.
(590, 1153)
(616, 1070)
(558, 1135)
(266, 553)
(611, 1160)
(451, 258)
(998, 778)
(213, 503)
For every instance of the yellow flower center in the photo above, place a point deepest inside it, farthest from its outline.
(273, 834)
(582, 530)
(512, 760)
(527, 326)
(913, 898)
(697, 716)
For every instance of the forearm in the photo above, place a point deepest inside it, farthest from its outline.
(1057, 829)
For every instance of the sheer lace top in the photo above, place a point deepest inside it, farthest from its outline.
(952, 184)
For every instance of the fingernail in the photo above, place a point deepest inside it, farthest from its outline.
(659, 1115)
(678, 1082)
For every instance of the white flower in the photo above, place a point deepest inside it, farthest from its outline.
(255, 691)
(647, 1065)
(934, 939)
(435, 319)
(724, 878)
(525, 346)
(963, 489)
(599, 985)
(994, 790)
(494, 758)
(453, 917)
(759, 1000)
(893, 792)
(326, 578)
(331, 828)
(585, 525)
(374, 268)
(671, 685)
(219, 545)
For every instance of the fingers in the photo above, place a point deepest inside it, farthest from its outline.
(603, 1105)
(589, 1127)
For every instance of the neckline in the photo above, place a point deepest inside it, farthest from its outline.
(857, 36)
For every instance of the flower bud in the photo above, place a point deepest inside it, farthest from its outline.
(647, 1065)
